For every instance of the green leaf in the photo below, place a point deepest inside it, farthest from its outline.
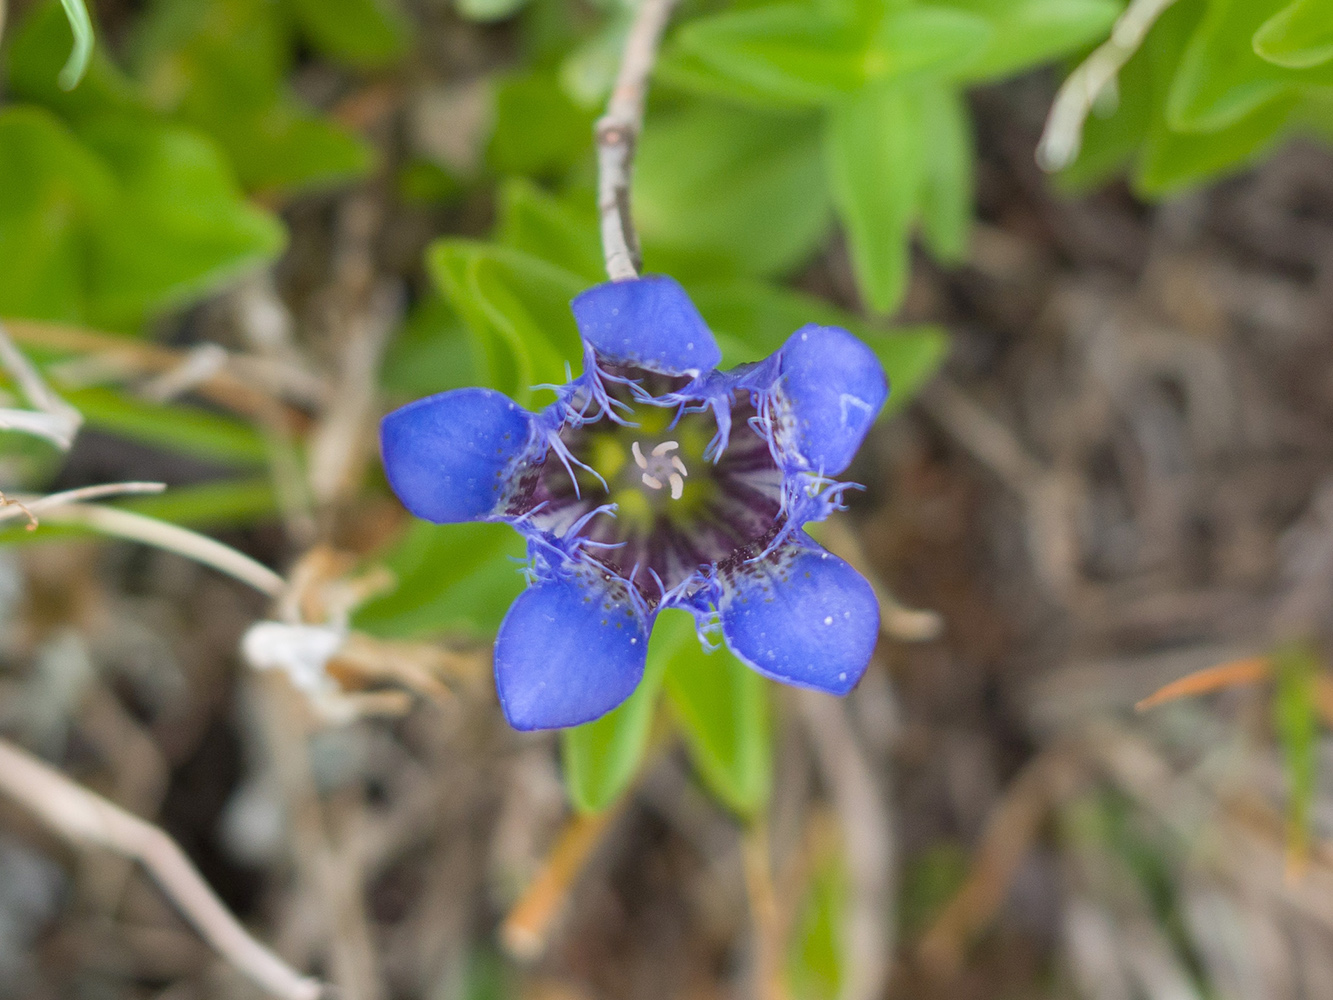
(602, 758)
(876, 160)
(538, 129)
(910, 356)
(752, 320)
(1220, 79)
(1169, 160)
(219, 504)
(489, 10)
(1298, 36)
(1027, 33)
(1295, 718)
(451, 578)
(36, 48)
(431, 353)
(189, 430)
(807, 55)
(724, 190)
(815, 959)
(516, 307)
(556, 231)
(792, 51)
(53, 194)
(368, 33)
(946, 192)
(929, 881)
(723, 710)
(221, 67)
(82, 27)
(181, 226)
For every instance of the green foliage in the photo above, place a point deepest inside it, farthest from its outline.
(930, 880)
(758, 173)
(452, 578)
(1298, 36)
(1295, 719)
(516, 307)
(886, 79)
(772, 122)
(601, 758)
(815, 958)
(539, 129)
(722, 708)
(124, 218)
(1214, 85)
(185, 429)
(360, 32)
(81, 25)
(221, 67)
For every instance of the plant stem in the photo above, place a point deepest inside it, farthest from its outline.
(618, 134)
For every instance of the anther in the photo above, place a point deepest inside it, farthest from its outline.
(639, 460)
(652, 481)
(665, 447)
(679, 466)
(677, 486)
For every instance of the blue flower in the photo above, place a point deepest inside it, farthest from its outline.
(656, 481)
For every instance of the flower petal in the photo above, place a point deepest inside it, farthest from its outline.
(834, 387)
(649, 322)
(801, 616)
(450, 457)
(570, 649)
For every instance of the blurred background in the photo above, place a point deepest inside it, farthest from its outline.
(239, 231)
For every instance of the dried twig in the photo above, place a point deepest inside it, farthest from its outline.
(1010, 832)
(34, 505)
(617, 134)
(79, 815)
(896, 620)
(528, 926)
(51, 417)
(327, 864)
(1063, 136)
(160, 534)
(766, 913)
(868, 839)
(1046, 500)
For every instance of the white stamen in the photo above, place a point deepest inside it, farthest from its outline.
(661, 467)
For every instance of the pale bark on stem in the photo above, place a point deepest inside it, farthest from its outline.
(79, 815)
(618, 134)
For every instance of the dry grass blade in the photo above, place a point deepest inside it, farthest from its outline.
(1251, 670)
(527, 929)
(171, 537)
(51, 418)
(79, 815)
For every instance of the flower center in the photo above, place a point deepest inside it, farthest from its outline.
(675, 513)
